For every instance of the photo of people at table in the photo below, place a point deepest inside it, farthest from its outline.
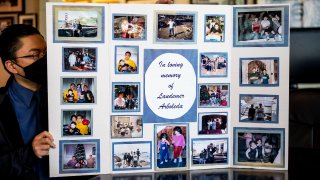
(126, 127)
(209, 151)
(79, 156)
(213, 123)
(126, 97)
(262, 148)
(259, 71)
(126, 59)
(213, 64)
(78, 90)
(79, 59)
(129, 27)
(76, 122)
(259, 108)
(214, 28)
(260, 26)
(213, 95)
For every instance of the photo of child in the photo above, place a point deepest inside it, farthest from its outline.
(75, 123)
(171, 146)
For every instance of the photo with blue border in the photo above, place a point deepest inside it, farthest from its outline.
(81, 149)
(150, 55)
(165, 150)
(213, 64)
(249, 143)
(209, 151)
(126, 126)
(88, 59)
(259, 71)
(213, 95)
(175, 26)
(72, 24)
(70, 121)
(213, 123)
(126, 97)
(258, 108)
(129, 27)
(247, 35)
(212, 34)
(131, 156)
(126, 60)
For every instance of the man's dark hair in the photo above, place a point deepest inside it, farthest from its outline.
(10, 39)
(128, 52)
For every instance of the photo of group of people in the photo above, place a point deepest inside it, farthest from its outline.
(175, 27)
(78, 90)
(213, 64)
(214, 28)
(126, 96)
(131, 155)
(129, 27)
(77, 23)
(209, 151)
(79, 59)
(76, 122)
(79, 156)
(126, 58)
(171, 143)
(259, 108)
(259, 71)
(259, 146)
(126, 127)
(263, 27)
(213, 123)
(213, 95)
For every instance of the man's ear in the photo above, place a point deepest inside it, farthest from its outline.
(9, 65)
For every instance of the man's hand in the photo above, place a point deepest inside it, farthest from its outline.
(42, 143)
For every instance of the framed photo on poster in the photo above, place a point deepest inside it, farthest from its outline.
(79, 59)
(259, 108)
(79, 156)
(126, 59)
(126, 96)
(213, 64)
(214, 28)
(212, 95)
(171, 146)
(212, 123)
(259, 147)
(28, 19)
(175, 26)
(12, 6)
(126, 126)
(77, 123)
(261, 26)
(130, 156)
(209, 151)
(259, 71)
(78, 24)
(129, 27)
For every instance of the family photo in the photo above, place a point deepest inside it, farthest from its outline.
(213, 64)
(259, 147)
(213, 123)
(126, 127)
(174, 27)
(76, 122)
(171, 143)
(214, 28)
(78, 90)
(79, 156)
(259, 108)
(209, 151)
(213, 95)
(129, 27)
(126, 59)
(79, 59)
(131, 155)
(259, 71)
(126, 96)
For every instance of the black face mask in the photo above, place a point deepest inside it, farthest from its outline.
(37, 71)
